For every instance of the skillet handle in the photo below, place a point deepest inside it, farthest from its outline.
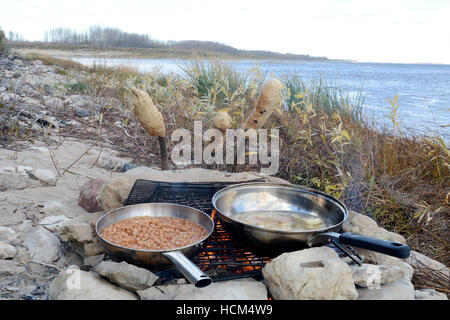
(394, 249)
(191, 272)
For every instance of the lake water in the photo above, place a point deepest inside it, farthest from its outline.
(423, 90)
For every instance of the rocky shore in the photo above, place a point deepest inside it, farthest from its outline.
(55, 186)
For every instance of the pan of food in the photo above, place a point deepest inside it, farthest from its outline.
(156, 235)
(280, 217)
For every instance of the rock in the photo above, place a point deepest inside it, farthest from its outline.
(80, 112)
(30, 102)
(419, 261)
(18, 62)
(11, 268)
(7, 234)
(429, 294)
(25, 227)
(311, 274)
(74, 284)
(93, 248)
(8, 170)
(383, 259)
(93, 261)
(7, 251)
(399, 290)
(14, 182)
(45, 175)
(42, 245)
(108, 162)
(23, 170)
(16, 75)
(241, 289)
(88, 195)
(53, 223)
(79, 229)
(53, 102)
(52, 208)
(369, 275)
(361, 224)
(127, 275)
(128, 166)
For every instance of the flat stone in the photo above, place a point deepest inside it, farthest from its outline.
(399, 290)
(16, 182)
(10, 268)
(364, 225)
(421, 261)
(92, 248)
(7, 251)
(52, 208)
(374, 275)
(383, 259)
(309, 274)
(7, 234)
(45, 175)
(429, 294)
(7, 170)
(80, 112)
(93, 261)
(80, 228)
(23, 170)
(25, 227)
(241, 289)
(126, 275)
(18, 62)
(53, 102)
(75, 284)
(42, 245)
(53, 223)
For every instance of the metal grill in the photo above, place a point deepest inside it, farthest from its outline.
(223, 257)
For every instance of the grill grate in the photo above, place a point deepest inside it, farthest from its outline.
(223, 257)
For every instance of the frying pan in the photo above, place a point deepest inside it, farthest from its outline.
(265, 196)
(159, 258)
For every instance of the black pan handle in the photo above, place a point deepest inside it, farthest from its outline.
(394, 249)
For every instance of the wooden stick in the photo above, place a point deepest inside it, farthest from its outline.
(163, 151)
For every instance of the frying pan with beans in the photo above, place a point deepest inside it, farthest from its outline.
(161, 257)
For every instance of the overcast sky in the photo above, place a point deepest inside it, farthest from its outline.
(363, 30)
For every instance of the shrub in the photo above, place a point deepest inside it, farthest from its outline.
(3, 45)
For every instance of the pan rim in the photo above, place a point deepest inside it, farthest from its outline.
(287, 186)
(153, 251)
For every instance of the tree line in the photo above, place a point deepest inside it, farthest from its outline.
(100, 37)
(104, 37)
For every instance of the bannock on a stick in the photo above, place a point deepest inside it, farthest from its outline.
(152, 121)
(268, 99)
(148, 115)
(222, 120)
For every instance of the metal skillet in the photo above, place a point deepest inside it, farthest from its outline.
(265, 196)
(159, 258)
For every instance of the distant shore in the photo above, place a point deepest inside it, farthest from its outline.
(68, 51)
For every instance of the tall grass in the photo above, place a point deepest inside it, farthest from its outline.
(326, 95)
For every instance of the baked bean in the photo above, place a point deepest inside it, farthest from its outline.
(154, 233)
